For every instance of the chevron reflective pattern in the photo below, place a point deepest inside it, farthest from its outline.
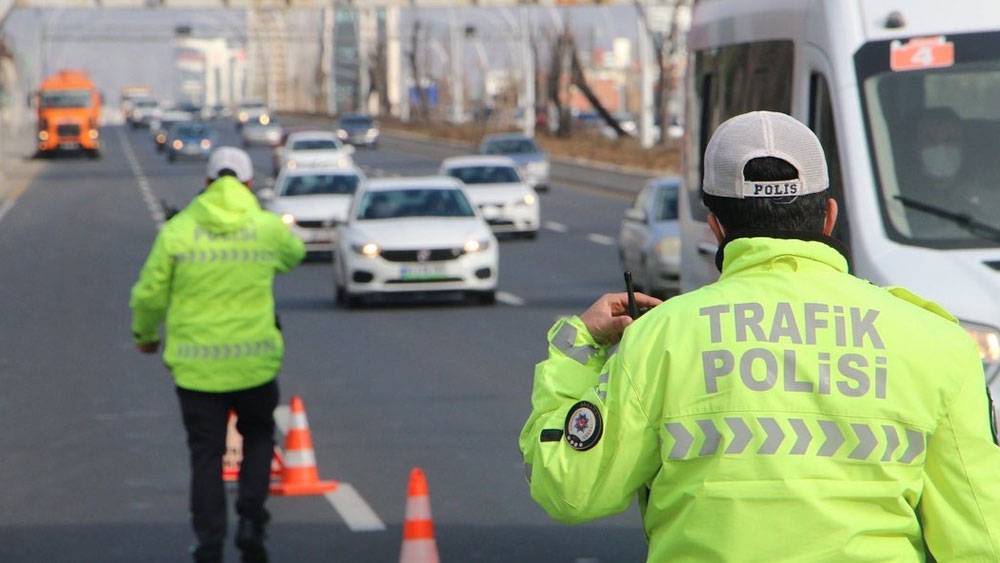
(226, 255)
(766, 435)
(230, 351)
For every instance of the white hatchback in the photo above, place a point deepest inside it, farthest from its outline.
(313, 202)
(312, 149)
(414, 235)
(494, 186)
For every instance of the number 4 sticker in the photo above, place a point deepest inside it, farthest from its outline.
(921, 53)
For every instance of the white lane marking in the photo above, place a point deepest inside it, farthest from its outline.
(555, 227)
(509, 299)
(600, 239)
(155, 209)
(6, 207)
(356, 513)
(282, 414)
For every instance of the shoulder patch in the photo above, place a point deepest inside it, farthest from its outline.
(910, 297)
(584, 426)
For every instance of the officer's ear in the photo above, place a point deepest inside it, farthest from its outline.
(830, 221)
(716, 226)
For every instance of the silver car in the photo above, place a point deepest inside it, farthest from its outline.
(649, 243)
(532, 162)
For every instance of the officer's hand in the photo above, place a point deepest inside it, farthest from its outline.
(607, 318)
(148, 347)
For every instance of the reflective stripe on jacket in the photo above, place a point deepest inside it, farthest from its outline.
(787, 412)
(210, 275)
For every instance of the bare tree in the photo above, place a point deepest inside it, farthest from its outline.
(417, 40)
(579, 79)
(666, 50)
(558, 68)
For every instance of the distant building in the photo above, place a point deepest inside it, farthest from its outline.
(208, 72)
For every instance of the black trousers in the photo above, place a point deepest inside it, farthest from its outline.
(206, 416)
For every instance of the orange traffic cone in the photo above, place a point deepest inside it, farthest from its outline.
(234, 451)
(418, 527)
(299, 475)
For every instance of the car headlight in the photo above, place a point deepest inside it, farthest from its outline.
(343, 162)
(94, 134)
(292, 165)
(177, 144)
(669, 248)
(244, 117)
(206, 144)
(370, 249)
(161, 138)
(987, 340)
(43, 135)
(538, 167)
(475, 245)
(528, 199)
(373, 132)
(342, 134)
(264, 119)
(288, 219)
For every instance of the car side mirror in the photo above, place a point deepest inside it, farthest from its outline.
(637, 215)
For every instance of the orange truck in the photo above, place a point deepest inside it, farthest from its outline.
(69, 111)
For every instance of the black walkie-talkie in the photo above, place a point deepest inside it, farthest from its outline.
(633, 309)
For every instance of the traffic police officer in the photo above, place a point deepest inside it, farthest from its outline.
(787, 412)
(210, 275)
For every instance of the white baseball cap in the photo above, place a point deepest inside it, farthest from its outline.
(232, 158)
(763, 134)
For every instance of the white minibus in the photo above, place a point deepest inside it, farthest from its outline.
(905, 97)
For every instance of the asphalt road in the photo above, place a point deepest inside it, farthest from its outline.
(93, 456)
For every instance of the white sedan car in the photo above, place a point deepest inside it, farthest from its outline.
(313, 202)
(493, 184)
(414, 235)
(312, 149)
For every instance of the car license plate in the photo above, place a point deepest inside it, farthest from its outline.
(69, 146)
(422, 272)
(491, 212)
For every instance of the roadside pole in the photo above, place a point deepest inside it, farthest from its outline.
(457, 76)
(646, 97)
(528, 64)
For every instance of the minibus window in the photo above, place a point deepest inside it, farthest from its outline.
(932, 134)
(729, 81)
(822, 123)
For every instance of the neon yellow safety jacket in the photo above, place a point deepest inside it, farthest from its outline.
(210, 274)
(788, 412)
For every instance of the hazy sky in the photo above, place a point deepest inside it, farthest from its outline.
(119, 47)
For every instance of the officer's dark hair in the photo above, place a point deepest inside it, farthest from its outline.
(226, 172)
(805, 213)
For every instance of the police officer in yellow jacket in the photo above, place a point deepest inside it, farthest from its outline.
(209, 276)
(787, 412)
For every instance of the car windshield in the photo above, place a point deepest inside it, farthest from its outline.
(65, 99)
(485, 174)
(932, 122)
(320, 184)
(145, 104)
(357, 121)
(315, 145)
(394, 204)
(666, 204)
(190, 130)
(511, 146)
